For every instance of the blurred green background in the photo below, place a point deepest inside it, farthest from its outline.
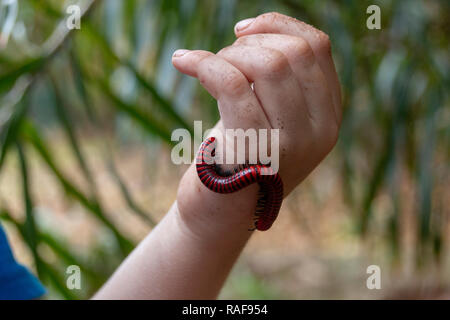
(85, 123)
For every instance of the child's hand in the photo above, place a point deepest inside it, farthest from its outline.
(296, 90)
(192, 250)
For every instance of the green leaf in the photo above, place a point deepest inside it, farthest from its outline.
(8, 78)
(136, 112)
(64, 117)
(126, 194)
(78, 78)
(11, 129)
(30, 225)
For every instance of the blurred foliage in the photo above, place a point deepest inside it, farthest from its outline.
(117, 67)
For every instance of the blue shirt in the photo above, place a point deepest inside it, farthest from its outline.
(16, 282)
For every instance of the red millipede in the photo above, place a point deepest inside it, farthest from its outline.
(271, 187)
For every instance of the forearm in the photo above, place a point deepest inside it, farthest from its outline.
(191, 251)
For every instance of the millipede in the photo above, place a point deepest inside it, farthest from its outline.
(270, 194)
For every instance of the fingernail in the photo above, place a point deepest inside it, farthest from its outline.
(180, 53)
(241, 25)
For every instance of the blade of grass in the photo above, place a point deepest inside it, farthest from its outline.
(68, 257)
(81, 88)
(428, 233)
(11, 129)
(54, 276)
(135, 112)
(126, 194)
(30, 225)
(63, 115)
(8, 78)
(392, 126)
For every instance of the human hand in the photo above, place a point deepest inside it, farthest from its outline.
(296, 90)
(192, 250)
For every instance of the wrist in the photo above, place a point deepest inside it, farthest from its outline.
(208, 214)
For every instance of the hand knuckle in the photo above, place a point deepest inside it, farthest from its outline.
(234, 84)
(240, 41)
(324, 42)
(204, 60)
(332, 136)
(222, 51)
(303, 52)
(270, 15)
(275, 64)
